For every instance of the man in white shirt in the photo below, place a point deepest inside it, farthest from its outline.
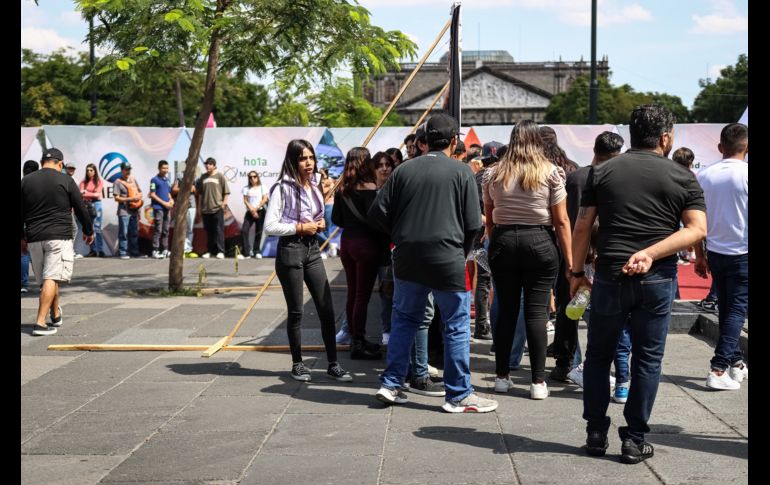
(726, 190)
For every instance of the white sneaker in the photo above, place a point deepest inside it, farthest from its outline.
(550, 328)
(391, 396)
(258, 255)
(125, 256)
(504, 384)
(343, 336)
(165, 253)
(721, 383)
(78, 256)
(739, 373)
(240, 256)
(538, 391)
(157, 255)
(220, 255)
(333, 250)
(323, 255)
(40, 331)
(432, 371)
(207, 255)
(471, 404)
(576, 375)
(385, 338)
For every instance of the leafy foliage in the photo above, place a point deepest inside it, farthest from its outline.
(724, 100)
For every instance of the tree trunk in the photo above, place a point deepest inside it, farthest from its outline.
(179, 106)
(176, 264)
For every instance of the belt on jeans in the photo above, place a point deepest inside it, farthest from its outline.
(519, 227)
(298, 238)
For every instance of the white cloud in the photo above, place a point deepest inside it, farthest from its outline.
(45, 41)
(723, 20)
(72, 18)
(31, 14)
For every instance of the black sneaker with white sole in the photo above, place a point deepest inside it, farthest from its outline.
(57, 322)
(633, 453)
(336, 372)
(427, 387)
(299, 372)
(597, 443)
(391, 396)
(40, 331)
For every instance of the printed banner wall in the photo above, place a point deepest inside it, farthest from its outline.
(107, 147)
(28, 137)
(701, 138)
(386, 137)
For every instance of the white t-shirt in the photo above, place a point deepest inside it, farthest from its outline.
(254, 194)
(726, 191)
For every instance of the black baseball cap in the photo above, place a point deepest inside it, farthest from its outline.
(52, 153)
(441, 127)
(125, 166)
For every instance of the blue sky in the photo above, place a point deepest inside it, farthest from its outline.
(653, 45)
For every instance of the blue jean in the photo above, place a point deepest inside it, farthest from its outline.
(418, 356)
(621, 355)
(97, 245)
(128, 235)
(188, 242)
(25, 270)
(645, 302)
(386, 301)
(409, 300)
(731, 274)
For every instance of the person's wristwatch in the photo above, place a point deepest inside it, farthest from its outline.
(577, 274)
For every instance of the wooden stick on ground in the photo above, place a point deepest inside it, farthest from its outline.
(167, 348)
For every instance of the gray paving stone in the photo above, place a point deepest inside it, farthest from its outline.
(170, 369)
(67, 469)
(171, 457)
(146, 397)
(33, 367)
(246, 385)
(333, 435)
(719, 459)
(216, 414)
(577, 467)
(313, 470)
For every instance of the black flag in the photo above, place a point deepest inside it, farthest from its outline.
(455, 66)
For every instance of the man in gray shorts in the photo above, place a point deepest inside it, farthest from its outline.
(48, 198)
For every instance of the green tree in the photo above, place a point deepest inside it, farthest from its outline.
(297, 42)
(337, 105)
(614, 104)
(724, 100)
(51, 88)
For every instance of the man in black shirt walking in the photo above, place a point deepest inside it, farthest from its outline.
(430, 207)
(48, 198)
(639, 197)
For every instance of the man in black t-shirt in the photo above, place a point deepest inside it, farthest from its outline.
(639, 197)
(48, 198)
(430, 207)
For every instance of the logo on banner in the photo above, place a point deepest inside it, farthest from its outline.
(230, 173)
(109, 166)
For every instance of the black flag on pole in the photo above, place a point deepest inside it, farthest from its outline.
(455, 66)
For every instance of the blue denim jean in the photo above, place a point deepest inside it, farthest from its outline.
(645, 301)
(25, 270)
(97, 245)
(418, 357)
(409, 301)
(128, 235)
(188, 242)
(731, 275)
(621, 355)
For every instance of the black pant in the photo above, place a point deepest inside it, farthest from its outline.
(298, 259)
(523, 257)
(258, 223)
(214, 224)
(483, 280)
(566, 332)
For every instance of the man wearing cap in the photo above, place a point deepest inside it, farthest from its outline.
(48, 198)
(128, 217)
(212, 191)
(430, 207)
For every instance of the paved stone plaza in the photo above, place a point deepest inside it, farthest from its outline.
(237, 417)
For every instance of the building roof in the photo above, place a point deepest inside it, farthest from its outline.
(485, 56)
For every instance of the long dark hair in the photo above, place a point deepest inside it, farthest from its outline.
(291, 161)
(259, 180)
(554, 152)
(395, 155)
(96, 174)
(359, 168)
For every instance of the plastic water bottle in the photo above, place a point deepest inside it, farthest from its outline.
(578, 304)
